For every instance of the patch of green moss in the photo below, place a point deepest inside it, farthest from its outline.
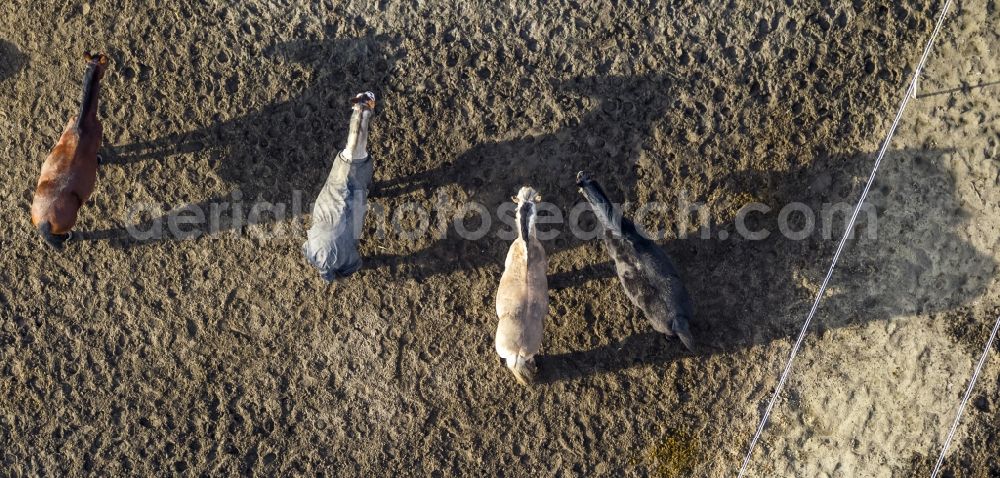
(673, 455)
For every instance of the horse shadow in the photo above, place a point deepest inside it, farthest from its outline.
(268, 155)
(745, 292)
(11, 60)
(606, 140)
(905, 259)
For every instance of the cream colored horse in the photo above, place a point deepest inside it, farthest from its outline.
(523, 295)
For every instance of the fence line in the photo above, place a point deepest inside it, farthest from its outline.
(910, 93)
(965, 399)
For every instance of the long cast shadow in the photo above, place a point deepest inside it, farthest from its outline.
(744, 291)
(11, 60)
(606, 140)
(915, 264)
(964, 89)
(269, 154)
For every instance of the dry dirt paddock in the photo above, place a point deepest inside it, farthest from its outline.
(223, 353)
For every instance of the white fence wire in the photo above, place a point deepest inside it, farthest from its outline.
(965, 399)
(911, 92)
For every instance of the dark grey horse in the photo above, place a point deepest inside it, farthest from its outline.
(649, 277)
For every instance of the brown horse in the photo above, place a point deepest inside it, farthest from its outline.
(69, 172)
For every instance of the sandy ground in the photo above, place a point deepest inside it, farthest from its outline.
(224, 353)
